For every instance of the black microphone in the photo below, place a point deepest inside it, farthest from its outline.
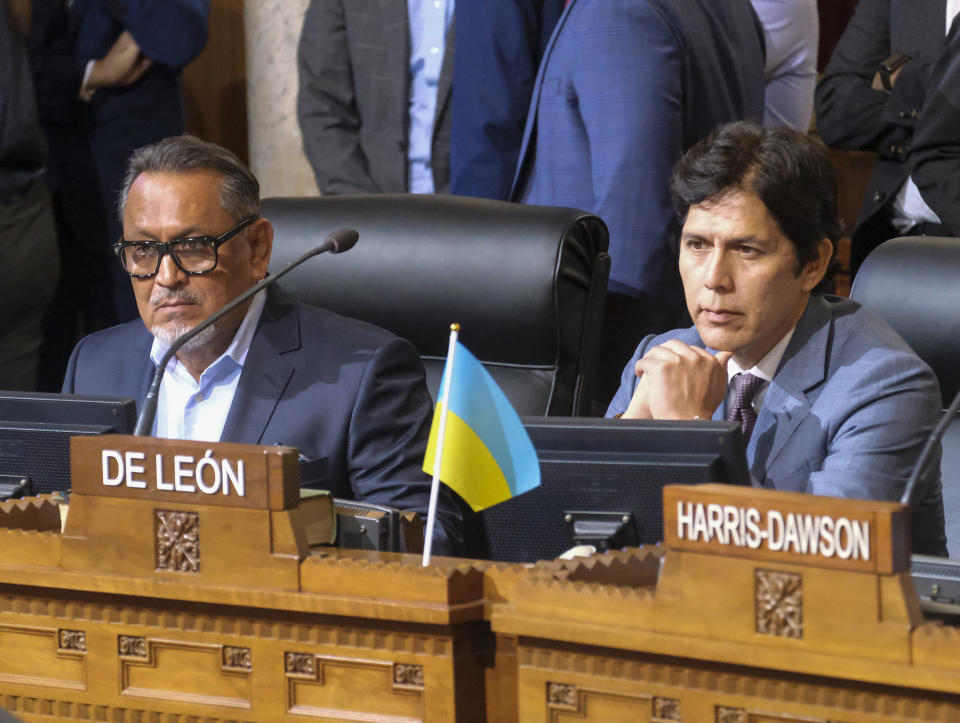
(339, 240)
(935, 436)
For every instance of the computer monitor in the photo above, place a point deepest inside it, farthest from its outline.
(35, 431)
(602, 483)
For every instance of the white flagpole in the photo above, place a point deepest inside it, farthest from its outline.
(438, 457)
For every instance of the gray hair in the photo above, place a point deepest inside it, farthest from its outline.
(239, 190)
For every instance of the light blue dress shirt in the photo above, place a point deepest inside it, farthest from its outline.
(188, 408)
(429, 21)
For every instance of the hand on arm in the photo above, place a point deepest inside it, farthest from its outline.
(679, 381)
(122, 65)
(852, 112)
(171, 32)
(877, 83)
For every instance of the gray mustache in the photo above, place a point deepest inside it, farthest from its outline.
(161, 295)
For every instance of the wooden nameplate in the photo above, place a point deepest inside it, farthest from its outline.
(198, 512)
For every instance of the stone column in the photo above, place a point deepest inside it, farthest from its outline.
(272, 30)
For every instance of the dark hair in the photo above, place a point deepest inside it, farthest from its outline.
(239, 191)
(789, 171)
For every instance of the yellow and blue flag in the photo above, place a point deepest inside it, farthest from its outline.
(487, 454)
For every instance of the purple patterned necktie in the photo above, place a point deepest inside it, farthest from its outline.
(745, 386)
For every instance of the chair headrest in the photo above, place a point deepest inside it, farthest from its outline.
(913, 282)
(425, 261)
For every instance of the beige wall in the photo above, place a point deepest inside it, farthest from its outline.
(272, 28)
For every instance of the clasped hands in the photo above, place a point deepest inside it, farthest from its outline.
(678, 381)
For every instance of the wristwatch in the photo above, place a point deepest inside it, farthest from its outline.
(890, 65)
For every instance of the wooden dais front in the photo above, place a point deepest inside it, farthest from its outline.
(178, 591)
(184, 590)
(760, 606)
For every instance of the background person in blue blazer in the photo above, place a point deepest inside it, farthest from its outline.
(350, 396)
(624, 88)
(832, 400)
(28, 242)
(499, 46)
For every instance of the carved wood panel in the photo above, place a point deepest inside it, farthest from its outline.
(666, 709)
(779, 603)
(71, 641)
(185, 672)
(177, 541)
(33, 655)
(550, 678)
(726, 714)
(331, 687)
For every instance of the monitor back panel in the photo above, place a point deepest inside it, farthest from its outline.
(40, 452)
(619, 467)
(538, 525)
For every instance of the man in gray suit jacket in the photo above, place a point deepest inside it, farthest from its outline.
(624, 88)
(832, 401)
(369, 73)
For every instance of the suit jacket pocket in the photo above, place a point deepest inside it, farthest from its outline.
(795, 478)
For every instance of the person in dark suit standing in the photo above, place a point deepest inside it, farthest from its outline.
(351, 397)
(499, 46)
(374, 94)
(27, 233)
(107, 76)
(624, 88)
(890, 87)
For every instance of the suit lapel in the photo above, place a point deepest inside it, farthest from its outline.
(785, 405)
(524, 159)
(139, 386)
(265, 373)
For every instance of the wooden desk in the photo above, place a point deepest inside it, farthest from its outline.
(104, 622)
(163, 604)
(707, 632)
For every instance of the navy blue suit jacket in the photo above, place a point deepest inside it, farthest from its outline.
(624, 88)
(499, 46)
(846, 414)
(350, 396)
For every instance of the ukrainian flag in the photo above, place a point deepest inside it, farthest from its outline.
(487, 454)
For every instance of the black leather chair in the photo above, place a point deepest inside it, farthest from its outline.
(525, 283)
(914, 283)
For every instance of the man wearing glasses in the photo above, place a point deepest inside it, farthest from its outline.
(351, 397)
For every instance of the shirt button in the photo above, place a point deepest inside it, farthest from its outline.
(198, 397)
(436, 3)
(434, 50)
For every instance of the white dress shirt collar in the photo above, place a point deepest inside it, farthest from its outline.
(189, 408)
(766, 367)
